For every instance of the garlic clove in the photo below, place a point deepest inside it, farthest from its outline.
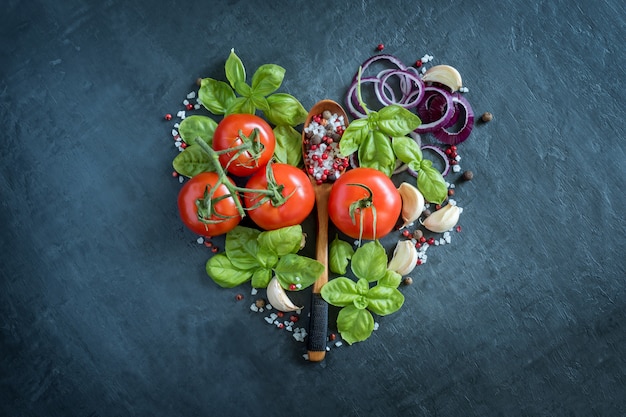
(443, 219)
(444, 74)
(278, 298)
(404, 258)
(412, 203)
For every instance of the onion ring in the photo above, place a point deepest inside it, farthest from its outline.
(422, 110)
(406, 78)
(462, 109)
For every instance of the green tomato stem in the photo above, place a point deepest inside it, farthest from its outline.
(222, 177)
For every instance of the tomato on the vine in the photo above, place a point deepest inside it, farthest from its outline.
(236, 130)
(292, 204)
(205, 214)
(367, 198)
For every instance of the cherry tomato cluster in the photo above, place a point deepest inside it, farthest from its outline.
(276, 195)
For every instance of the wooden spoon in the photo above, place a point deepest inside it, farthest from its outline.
(318, 323)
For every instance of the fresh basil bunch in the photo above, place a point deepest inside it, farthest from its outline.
(237, 96)
(369, 136)
(360, 299)
(254, 255)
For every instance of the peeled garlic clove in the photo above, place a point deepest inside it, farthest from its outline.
(443, 219)
(412, 203)
(278, 298)
(404, 258)
(444, 74)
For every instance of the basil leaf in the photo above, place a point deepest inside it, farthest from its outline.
(241, 105)
(224, 273)
(260, 102)
(284, 109)
(370, 261)
(406, 149)
(391, 279)
(340, 292)
(353, 136)
(267, 78)
(192, 161)
(196, 126)
(288, 149)
(296, 269)
(383, 300)
(360, 302)
(376, 152)
(215, 96)
(243, 89)
(235, 71)
(340, 253)
(242, 247)
(267, 258)
(282, 241)
(431, 184)
(394, 120)
(261, 277)
(362, 286)
(355, 325)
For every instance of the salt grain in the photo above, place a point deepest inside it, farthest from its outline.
(191, 95)
(200, 240)
(253, 291)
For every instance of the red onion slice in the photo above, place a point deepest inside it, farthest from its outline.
(464, 112)
(352, 100)
(381, 57)
(411, 96)
(422, 110)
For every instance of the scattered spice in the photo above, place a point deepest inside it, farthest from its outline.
(408, 281)
(239, 297)
(260, 303)
(486, 117)
(468, 175)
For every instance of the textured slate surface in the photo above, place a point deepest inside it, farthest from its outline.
(105, 308)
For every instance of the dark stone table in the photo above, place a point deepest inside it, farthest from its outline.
(105, 307)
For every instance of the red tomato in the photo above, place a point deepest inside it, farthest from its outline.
(295, 183)
(385, 198)
(225, 216)
(228, 135)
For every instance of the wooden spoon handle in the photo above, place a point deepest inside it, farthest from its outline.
(318, 322)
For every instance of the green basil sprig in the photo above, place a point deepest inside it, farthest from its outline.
(254, 255)
(358, 300)
(237, 96)
(371, 136)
